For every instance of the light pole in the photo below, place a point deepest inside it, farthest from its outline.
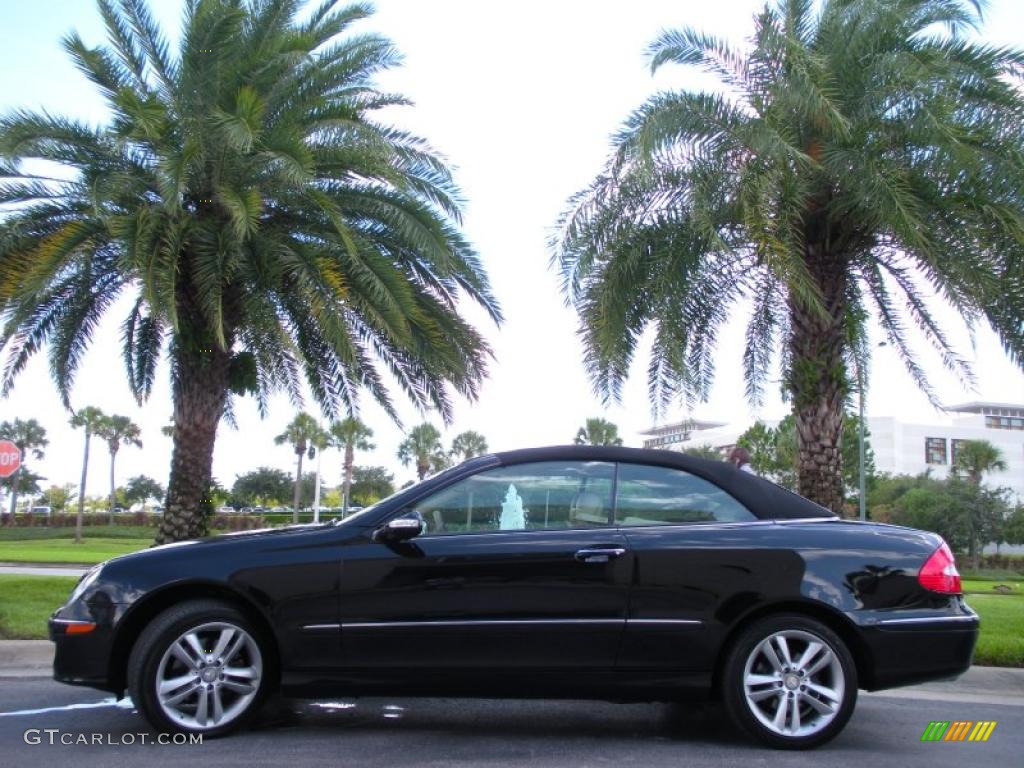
(861, 499)
(320, 444)
(316, 491)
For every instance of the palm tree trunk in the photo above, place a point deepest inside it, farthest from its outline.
(817, 380)
(81, 492)
(110, 520)
(421, 469)
(975, 546)
(349, 458)
(200, 386)
(298, 490)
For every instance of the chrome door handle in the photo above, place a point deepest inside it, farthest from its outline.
(599, 555)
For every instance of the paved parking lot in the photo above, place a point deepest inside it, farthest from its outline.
(885, 731)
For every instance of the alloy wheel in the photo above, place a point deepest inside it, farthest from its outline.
(793, 682)
(209, 676)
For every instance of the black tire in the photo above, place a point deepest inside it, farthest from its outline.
(799, 692)
(153, 658)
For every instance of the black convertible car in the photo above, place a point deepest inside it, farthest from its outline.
(571, 572)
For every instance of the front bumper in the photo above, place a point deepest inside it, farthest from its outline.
(81, 658)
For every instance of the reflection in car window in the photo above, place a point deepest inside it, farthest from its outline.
(542, 495)
(661, 496)
(368, 512)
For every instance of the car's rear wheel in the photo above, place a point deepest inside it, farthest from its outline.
(199, 667)
(790, 681)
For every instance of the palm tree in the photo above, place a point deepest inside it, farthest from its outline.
(974, 458)
(118, 431)
(92, 420)
(30, 437)
(468, 444)
(268, 225)
(422, 448)
(303, 434)
(598, 432)
(861, 157)
(350, 435)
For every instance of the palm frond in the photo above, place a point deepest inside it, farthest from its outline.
(244, 193)
(858, 155)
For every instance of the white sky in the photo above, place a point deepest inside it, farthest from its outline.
(522, 98)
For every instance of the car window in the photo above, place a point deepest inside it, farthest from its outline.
(661, 496)
(537, 496)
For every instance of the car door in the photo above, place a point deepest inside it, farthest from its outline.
(518, 566)
(697, 559)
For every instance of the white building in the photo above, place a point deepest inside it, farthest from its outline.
(680, 435)
(900, 447)
(909, 449)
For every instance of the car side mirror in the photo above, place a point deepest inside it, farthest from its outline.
(403, 528)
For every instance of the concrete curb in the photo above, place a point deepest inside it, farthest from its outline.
(978, 685)
(26, 658)
(1003, 685)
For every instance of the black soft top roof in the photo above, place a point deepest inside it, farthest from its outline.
(762, 497)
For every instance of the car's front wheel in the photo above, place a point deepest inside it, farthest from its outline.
(199, 667)
(790, 681)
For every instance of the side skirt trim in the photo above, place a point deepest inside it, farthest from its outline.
(499, 623)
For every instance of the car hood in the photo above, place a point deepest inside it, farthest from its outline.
(219, 540)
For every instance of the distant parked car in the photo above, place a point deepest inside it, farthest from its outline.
(45, 511)
(246, 510)
(278, 510)
(611, 573)
(226, 510)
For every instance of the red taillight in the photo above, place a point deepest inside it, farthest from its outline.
(939, 573)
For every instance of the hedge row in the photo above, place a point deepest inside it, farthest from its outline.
(218, 522)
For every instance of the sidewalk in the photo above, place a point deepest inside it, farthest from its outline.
(42, 569)
(979, 685)
(983, 685)
(26, 658)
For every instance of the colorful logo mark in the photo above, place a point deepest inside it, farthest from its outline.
(958, 730)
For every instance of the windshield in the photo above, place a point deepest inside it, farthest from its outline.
(451, 470)
(362, 512)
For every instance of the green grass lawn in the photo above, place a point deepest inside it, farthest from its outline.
(26, 602)
(986, 587)
(1001, 643)
(64, 550)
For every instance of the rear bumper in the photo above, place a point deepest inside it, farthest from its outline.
(916, 650)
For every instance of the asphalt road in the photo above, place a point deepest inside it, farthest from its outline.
(885, 731)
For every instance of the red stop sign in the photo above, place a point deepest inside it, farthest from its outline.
(10, 458)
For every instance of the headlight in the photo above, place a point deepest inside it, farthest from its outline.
(85, 582)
